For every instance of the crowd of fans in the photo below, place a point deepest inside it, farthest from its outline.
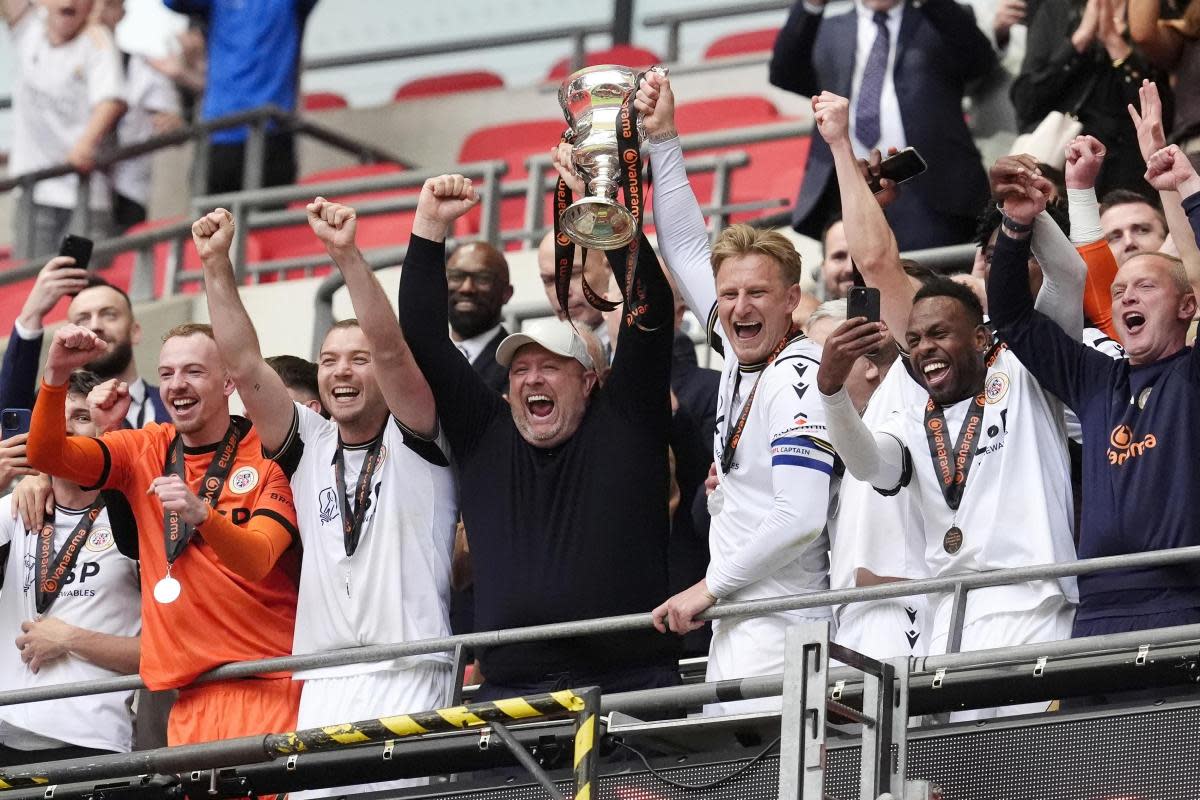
(435, 473)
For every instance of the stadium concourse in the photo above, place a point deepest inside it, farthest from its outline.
(844, 449)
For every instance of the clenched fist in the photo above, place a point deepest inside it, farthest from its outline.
(333, 223)
(73, 346)
(443, 200)
(108, 404)
(213, 235)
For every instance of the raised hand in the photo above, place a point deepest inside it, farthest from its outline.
(1008, 13)
(655, 101)
(58, 279)
(561, 153)
(1148, 122)
(832, 115)
(1085, 156)
(73, 346)
(1169, 170)
(213, 235)
(333, 223)
(853, 338)
(1008, 174)
(175, 496)
(1026, 204)
(443, 199)
(108, 403)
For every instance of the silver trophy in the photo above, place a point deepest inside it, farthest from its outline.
(591, 99)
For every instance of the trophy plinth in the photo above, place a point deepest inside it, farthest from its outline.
(591, 100)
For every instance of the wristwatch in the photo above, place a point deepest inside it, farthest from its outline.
(1011, 224)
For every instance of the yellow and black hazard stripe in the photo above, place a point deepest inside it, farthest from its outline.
(16, 782)
(587, 724)
(441, 720)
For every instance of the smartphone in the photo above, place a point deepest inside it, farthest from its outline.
(14, 422)
(903, 166)
(78, 248)
(863, 301)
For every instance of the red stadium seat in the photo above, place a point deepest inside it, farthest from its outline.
(738, 44)
(448, 84)
(120, 272)
(322, 101)
(12, 300)
(724, 112)
(511, 143)
(625, 54)
(355, 171)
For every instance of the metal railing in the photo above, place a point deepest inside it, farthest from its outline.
(260, 122)
(576, 34)
(675, 20)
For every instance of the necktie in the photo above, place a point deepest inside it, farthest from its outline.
(866, 123)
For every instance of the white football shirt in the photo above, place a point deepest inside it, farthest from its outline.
(99, 594)
(396, 586)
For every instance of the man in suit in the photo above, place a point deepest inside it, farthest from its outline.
(905, 66)
(98, 306)
(477, 277)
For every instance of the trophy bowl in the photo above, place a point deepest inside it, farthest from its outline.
(591, 100)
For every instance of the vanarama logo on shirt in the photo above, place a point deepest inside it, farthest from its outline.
(1122, 446)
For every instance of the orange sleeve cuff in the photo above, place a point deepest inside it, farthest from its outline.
(49, 449)
(1097, 289)
(250, 551)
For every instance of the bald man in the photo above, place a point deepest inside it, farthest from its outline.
(578, 308)
(477, 278)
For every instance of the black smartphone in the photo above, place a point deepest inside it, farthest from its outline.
(863, 301)
(78, 248)
(14, 422)
(903, 166)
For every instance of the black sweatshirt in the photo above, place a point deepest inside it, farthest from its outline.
(573, 532)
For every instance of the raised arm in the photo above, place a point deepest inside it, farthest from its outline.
(682, 234)
(261, 389)
(972, 54)
(1170, 170)
(1161, 44)
(791, 66)
(465, 404)
(876, 458)
(404, 387)
(873, 247)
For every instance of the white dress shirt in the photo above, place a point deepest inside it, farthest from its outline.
(471, 348)
(891, 126)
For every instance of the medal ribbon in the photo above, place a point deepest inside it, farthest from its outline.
(735, 433)
(352, 522)
(176, 532)
(953, 473)
(52, 568)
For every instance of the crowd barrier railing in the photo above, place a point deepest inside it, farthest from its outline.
(675, 20)
(259, 122)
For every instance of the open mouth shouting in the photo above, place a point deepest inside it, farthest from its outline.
(746, 331)
(344, 394)
(936, 372)
(1134, 321)
(540, 406)
(184, 407)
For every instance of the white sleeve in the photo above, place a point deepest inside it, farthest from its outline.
(1063, 276)
(801, 464)
(155, 91)
(1085, 216)
(7, 523)
(879, 459)
(682, 235)
(105, 78)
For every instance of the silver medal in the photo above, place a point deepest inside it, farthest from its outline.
(167, 590)
(716, 501)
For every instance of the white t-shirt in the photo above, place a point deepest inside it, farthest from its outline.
(1016, 508)
(54, 92)
(396, 586)
(99, 594)
(869, 530)
(784, 441)
(147, 92)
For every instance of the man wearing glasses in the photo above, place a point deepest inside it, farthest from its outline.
(477, 277)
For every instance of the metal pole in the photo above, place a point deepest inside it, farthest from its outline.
(81, 222)
(802, 738)
(141, 285)
(622, 22)
(240, 240)
(27, 213)
(673, 41)
(876, 752)
(898, 764)
(522, 755)
(578, 50)
(720, 196)
(255, 155)
(490, 207)
(535, 196)
(958, 615)
(587, 742)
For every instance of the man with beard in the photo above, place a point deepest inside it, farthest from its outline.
(564, 487)
(477, 276)
(988, 433)
(214, 531)
(374, 493)
(100, 307)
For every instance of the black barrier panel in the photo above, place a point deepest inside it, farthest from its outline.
(1143, 755)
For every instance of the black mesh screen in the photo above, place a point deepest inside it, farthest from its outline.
(1150, 755)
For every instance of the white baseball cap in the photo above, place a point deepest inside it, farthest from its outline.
(555, 335)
